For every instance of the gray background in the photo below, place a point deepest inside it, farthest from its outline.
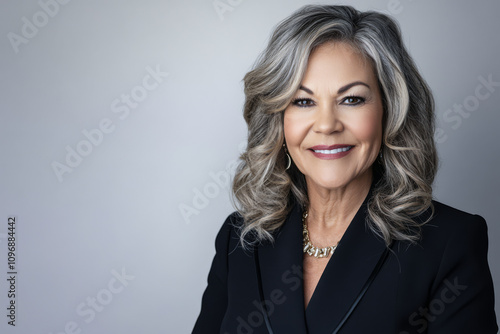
(120, 209)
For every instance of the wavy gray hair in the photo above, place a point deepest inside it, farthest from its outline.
(264, 191)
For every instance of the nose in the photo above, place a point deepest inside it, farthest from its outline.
(327, 120)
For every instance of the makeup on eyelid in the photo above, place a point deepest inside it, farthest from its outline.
(360, 100)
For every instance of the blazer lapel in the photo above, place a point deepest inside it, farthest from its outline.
(347, 271)
(341, 282)
(281, 273)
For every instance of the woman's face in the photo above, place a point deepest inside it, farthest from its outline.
(333, 127)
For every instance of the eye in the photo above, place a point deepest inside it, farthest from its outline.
(303, 102)
(353, 100)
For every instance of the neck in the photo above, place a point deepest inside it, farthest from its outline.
(335, 208)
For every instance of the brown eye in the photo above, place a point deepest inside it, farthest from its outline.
(300, 102)
(353, 100)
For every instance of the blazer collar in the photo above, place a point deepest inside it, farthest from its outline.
(344, 276)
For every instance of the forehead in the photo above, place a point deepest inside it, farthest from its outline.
(338, 63)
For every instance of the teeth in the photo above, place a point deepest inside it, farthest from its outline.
(335, 151)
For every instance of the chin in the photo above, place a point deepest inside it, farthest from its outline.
(333, 183)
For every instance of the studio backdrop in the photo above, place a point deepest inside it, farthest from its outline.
(121, 126)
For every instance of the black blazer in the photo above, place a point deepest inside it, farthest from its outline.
(440, 285)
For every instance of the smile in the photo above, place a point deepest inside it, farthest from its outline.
(334, 151)
(331, 152)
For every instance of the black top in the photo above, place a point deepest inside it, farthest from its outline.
(442, 284)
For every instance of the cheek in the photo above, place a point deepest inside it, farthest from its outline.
(292, 129)
(295, 130)
(369, 128)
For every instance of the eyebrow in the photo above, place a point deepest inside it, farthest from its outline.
(341, 89)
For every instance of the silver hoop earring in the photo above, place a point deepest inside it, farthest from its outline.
(289, 161)
(289, 158)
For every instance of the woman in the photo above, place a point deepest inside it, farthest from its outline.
(336, 229)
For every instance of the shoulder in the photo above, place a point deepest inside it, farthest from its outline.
(228, 232)
(450, 223)
(450, 240)
(231, 224)
(445, 213)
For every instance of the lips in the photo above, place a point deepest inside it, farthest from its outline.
(331, 152)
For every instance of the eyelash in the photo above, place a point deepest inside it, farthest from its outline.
(360, 99)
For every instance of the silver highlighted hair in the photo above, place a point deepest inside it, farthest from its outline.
(264, 191)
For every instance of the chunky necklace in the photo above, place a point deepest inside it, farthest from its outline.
(308, 246)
